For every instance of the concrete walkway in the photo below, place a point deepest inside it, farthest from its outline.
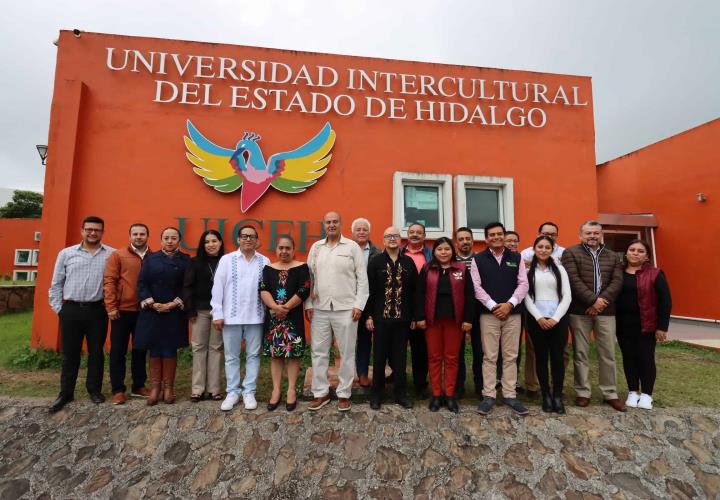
(697, 333)
(193, 450)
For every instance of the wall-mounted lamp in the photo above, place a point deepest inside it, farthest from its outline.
(700, 197)
(42, 151)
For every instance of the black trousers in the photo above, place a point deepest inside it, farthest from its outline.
(390, 343)
(638, 352)
(549, 344)
(477, 359)
(121, 330)
(363, 348)
(80, 321)
(419, 358)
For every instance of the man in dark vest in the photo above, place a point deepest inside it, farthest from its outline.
(500, 282)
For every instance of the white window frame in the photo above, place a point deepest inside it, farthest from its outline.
(33, 275)
(17, 271)
(37, 235)
(506, 199)
(35, 257)
(443, 181)
(30, 257)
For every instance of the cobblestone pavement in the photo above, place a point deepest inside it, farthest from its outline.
(194, 450)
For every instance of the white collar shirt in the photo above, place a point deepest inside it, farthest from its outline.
(235, 292)
(339, 276)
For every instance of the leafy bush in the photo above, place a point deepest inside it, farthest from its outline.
(27, 358)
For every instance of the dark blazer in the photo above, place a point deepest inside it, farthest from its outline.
(161, 278)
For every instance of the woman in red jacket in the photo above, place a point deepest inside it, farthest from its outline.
(643, 316)
(445, 307)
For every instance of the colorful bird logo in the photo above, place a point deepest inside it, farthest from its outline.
(228, 170)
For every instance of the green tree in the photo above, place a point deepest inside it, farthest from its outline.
(24, 205)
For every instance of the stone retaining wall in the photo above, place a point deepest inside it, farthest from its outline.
(16, 298)
(191, 450)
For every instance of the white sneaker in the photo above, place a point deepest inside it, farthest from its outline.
(230, 400)
(645, 402)
(632, 399)
(249, 401)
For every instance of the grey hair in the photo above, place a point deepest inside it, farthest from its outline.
(590, 223)
(358, 221)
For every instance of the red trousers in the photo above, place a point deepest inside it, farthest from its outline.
(443, 344)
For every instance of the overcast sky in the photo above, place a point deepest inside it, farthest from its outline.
(655, 64)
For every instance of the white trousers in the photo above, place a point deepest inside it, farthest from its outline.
(324, 325)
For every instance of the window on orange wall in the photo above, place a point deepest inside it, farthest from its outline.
(423, 198)
(481, 200)
(23, 257)
(21, 275)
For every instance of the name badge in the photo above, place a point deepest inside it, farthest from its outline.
(511, 264)
(458, 275)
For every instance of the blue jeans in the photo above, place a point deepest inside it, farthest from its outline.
(233, 335)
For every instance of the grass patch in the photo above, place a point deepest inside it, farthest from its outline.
(16, 283)
(687, 376)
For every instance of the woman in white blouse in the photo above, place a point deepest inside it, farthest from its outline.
(547, 303)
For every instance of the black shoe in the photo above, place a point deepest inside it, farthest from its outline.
(531, 394)
(516, 406)
(374, 404)
(404, 401)
(547, 403)
(291, 406)
(452, 404)
(519, 389)
(435, 403)
(486, 405)
(59, 403)
(273, 406)
(97, 398)
(557, 404)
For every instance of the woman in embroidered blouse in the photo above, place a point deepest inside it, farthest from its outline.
(445, 305)
(207, 342)
(284, 287)
(547, 303)
(643, 317)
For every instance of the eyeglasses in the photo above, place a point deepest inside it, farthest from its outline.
(247, 237)
(92, 230)
(391, 236)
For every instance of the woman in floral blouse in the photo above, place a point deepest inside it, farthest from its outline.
(284, 287)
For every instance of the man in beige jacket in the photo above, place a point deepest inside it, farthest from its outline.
(339, 292)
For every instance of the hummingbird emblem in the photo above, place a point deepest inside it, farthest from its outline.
(227, 170)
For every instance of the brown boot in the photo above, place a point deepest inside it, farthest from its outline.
(156, 372)
(169, 365)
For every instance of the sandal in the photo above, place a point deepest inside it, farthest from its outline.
(196, 398)
(217, 397)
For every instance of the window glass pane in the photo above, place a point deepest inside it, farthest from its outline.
(21, 276)
(22, 256)
(422, 204)
(483, 206)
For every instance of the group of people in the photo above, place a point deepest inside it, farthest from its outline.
(372, 303)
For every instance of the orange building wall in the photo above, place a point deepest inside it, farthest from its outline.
(117, 154)
(664, 179)
(16, 234)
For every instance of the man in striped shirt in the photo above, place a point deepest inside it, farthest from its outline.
(76, 295)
